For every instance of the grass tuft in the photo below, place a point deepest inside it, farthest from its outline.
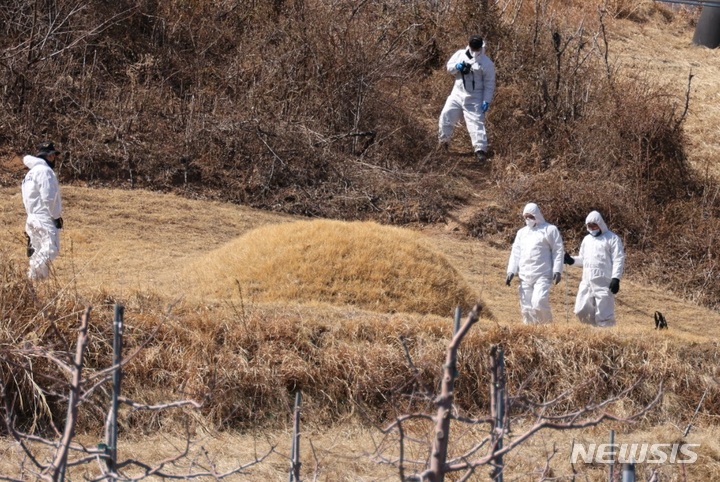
(364, 264)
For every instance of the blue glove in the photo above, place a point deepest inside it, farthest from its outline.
(485, 106)
(463, 67)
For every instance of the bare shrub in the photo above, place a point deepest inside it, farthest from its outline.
(578, 136)
(50, 457)
(505, 410)
(251, 104)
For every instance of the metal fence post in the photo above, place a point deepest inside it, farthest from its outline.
(497, 407)
(117, 379)
(458, 315)
(612, 456)
(628, 472)
(456, 328)
(295, 451)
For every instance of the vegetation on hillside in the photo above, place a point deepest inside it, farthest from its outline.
(329, 109)
(243, 362)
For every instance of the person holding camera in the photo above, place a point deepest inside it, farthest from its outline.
(471, 95)
(41, 197)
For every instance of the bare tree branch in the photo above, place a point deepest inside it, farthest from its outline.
(58, 464)
(500, 441)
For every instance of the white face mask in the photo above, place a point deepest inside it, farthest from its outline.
(594, 232)
(530, 222)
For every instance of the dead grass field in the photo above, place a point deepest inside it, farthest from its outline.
(663, 52)
(127, 242)
(346, 454)
(122, 243)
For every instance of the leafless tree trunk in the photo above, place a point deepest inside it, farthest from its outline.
(445, 401)
(56, 471)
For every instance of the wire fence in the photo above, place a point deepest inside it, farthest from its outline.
(697, 3)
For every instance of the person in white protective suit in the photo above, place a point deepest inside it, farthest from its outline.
(471, 95)
(41, 197)
(602, 257)
(537, 259)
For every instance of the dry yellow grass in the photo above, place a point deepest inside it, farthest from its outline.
(663, 51)
(249, 356)
(136, 247)
(363, 264)
(346, 454)
(131, 241)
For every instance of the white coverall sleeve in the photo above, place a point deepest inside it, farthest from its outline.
(579, 258)
(618, 257)
(49, 194)
(556, 247)
(456, 58)
(514, 261)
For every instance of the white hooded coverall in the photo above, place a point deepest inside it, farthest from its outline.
(41, 197)
(602, 258)
(536, 254)
(468, 94)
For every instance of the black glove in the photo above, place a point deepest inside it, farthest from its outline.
(58, 223)
(30, 249)
(509, 279)
(557, 277)
(614, 285)
(568, 259)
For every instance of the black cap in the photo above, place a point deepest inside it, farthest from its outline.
(46, 148)
(475, 42)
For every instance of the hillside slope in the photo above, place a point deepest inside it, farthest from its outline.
(121, 246)
(663, 52)
(125, 242)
